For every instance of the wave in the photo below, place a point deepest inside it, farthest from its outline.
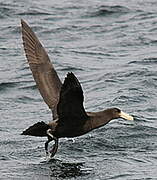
(5, 12)
(33, 12)
(33, 86)
(69, 68)
(5, 85)
(145, 61)
(27, 99)
(19, 84)
(108, 10)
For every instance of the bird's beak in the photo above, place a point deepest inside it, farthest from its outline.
(126, 116)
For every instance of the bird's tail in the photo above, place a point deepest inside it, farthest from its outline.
(38, 129)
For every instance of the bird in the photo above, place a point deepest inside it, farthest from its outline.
(65, 100)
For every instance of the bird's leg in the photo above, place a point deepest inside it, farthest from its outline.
(55, 146)
(46, 145)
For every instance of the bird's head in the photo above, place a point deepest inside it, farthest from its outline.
(117, 113)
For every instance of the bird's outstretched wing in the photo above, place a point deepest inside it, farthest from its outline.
(43, 71)
(70, 107)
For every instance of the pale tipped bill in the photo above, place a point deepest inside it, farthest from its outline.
(126, 116)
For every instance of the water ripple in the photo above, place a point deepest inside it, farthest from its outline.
(111, 47)
(6, 85)
(109, 10)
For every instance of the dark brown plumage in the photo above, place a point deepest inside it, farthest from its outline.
(65, 101)
(38, 129)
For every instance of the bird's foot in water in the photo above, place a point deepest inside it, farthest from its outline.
(48, 156)
(54, 148)
(52, 152)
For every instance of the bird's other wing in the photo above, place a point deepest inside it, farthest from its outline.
(70, 107)
(42, 69)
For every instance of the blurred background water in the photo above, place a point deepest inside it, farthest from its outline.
(112, 48)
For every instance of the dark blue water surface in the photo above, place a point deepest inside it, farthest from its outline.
(112, 48)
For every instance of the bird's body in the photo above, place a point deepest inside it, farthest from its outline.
(65, 100)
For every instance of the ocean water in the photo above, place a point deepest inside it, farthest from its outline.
(111, 46)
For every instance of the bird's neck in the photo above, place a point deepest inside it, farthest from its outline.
(98, 119)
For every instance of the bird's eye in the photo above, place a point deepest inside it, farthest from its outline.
(117, 110)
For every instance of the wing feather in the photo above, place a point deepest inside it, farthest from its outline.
(70, 107)
(42, 69)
